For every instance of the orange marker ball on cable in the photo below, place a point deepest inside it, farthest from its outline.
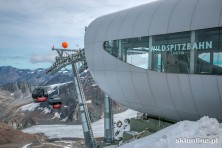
(64, 44)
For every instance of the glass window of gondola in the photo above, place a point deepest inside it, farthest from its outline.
(39, 92)
(55, 100)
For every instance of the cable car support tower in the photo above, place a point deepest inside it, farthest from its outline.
(66, 57)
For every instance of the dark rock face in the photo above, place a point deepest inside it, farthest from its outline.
(18, 110)
(22, 87)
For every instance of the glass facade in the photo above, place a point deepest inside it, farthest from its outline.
(209, 60)
(134, 51)
(198, 52)
(170, 54)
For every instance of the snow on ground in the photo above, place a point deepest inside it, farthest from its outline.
(124, 115)
(64, 71)
(59, 131)
(56, 115)
(64, 120)
(51, 88)
(56, 131)
(58, 85)
(26, 146)
(60, 144)
(94, 85)
(89, 101)
(204, 133)
(184, 134)
(29, 107)
(45, 110)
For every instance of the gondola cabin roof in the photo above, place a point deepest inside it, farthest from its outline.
(40, 94)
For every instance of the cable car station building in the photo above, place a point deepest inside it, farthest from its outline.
(163, 58)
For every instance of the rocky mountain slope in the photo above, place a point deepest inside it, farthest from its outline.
(18, 110)
(12, 138)
(10, 74)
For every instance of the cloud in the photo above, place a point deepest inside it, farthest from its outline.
(12, 57)
(43, 58)
(33, 26)
(55, 18)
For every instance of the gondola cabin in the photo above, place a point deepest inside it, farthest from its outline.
(55, 102)
(40, 95)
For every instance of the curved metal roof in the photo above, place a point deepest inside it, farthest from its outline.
(154, 18)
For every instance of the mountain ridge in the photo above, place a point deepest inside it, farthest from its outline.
(9, 74)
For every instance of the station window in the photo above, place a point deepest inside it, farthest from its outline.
(134, 51)
(209, 58)
(171, 53)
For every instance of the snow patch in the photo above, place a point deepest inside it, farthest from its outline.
(89, 101)
(64, 120)
(94, 85)
(29, 107)
(56, 115)
(46, 110)
(26, 146)
(66, 142)
(205, 128)
(58, 84)
(55, 86)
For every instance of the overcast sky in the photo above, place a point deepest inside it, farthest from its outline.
(29, 28)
